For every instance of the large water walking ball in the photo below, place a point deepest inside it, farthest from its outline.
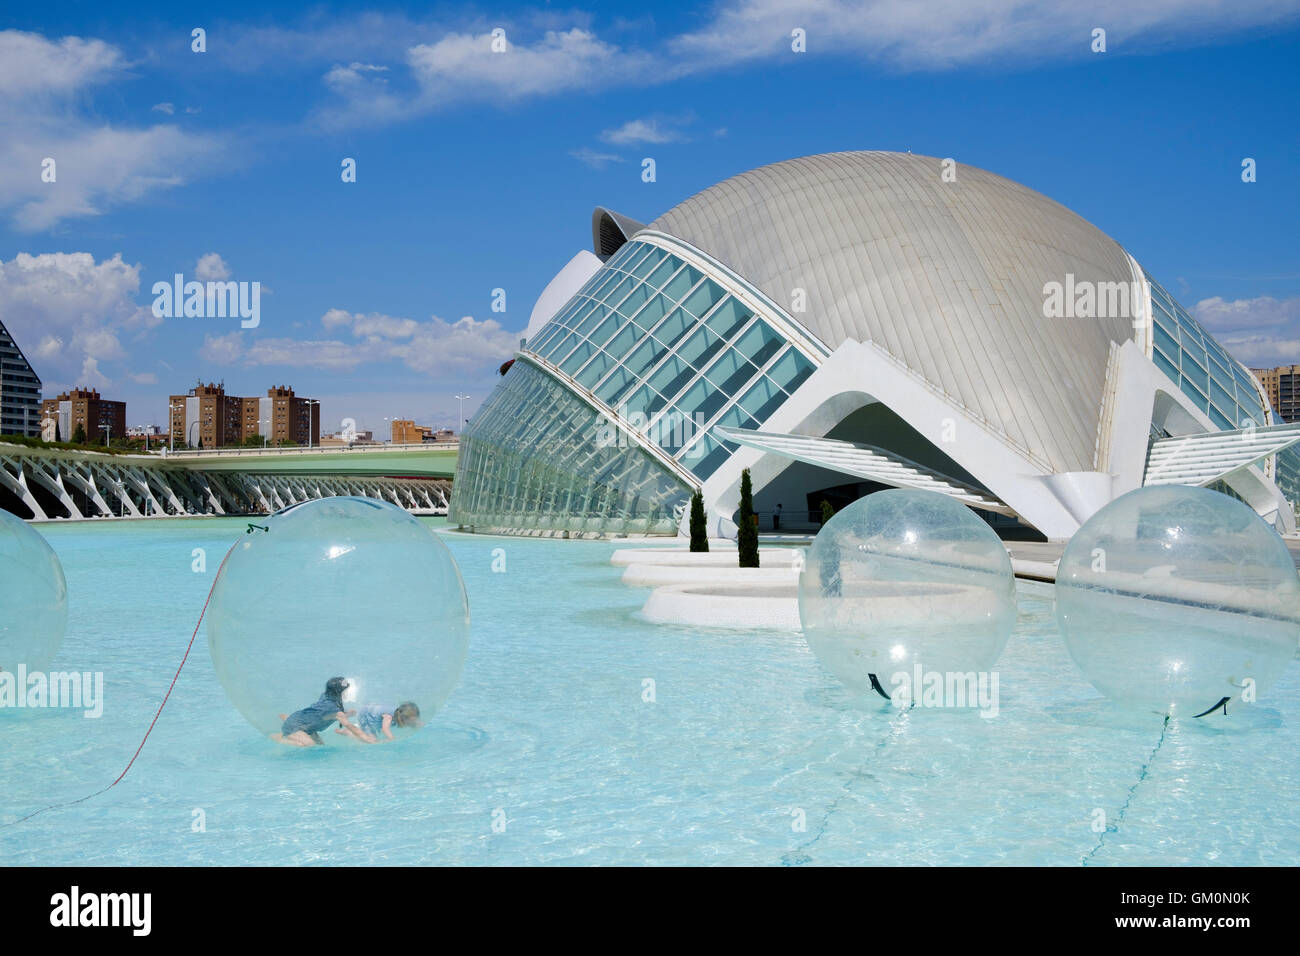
(338, 587)
(904, 584)
(33, 598)
(1173, 598)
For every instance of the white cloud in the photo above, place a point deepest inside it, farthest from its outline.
(70, 311)
(589, 157)
(31, 65)
(432, 346)
(641, 131)
(168, 108)
(940, 34)
(211, 268)
(555, 52)
(1262, 332)
(43, 115)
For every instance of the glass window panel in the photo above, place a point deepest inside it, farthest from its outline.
(759, 343)
(703, 399)
(730, 372)
(704, 298)
(729, 318)
(791, 369)
(542, 338)
(611, 278)
(639, 253)
(577, 357)
(643, 268)
(597, 367)
(623, 253)
(700, 347)
(762, 399)
(671, 376)
(674, 430)
(1221, 375)
(650, 315)
(1193, 370)
(615, 295)
(736, 417)
(1223, 421)
(665, 269)
(640, 401)
(562, 348)
(600, 335)
(627, 337)
(681, 283)
(1194, 393)
(635, 299)
(1165, 365)
(1222, 397)
(706, 456)
(1166, 342)
(586, 320)
(619, 381)
(643, 356)
(674, 327)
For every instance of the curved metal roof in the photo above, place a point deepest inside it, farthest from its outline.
(947, 277)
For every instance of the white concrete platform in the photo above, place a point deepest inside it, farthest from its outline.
(659, 575)
(753, 606)
(683, 557)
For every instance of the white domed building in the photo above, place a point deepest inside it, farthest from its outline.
(852, 321)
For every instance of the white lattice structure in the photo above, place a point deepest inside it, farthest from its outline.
(52, 484)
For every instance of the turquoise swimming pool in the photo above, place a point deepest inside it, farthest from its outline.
(549, 753)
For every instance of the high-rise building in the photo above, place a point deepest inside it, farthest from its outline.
(208, 414)
(20, 390)
(84, 408)
(1283, 387)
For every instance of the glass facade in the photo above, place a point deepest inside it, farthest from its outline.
(669, 351)
(537, 457)
(1216, 383)
(659, 347)
(654, 346)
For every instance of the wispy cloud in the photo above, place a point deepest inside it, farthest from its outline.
(1261, 332)
(47, 133)
(637, 131)
(594, 159)
(435, 346)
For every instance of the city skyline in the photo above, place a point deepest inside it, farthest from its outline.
(377, 295)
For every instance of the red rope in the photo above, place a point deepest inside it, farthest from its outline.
(153, 723)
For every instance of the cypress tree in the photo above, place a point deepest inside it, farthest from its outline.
(827, 511)
(747, 534)
(699, 526)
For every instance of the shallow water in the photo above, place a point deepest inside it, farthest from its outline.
(748, 736)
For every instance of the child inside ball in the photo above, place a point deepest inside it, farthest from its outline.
(375, 721)
(303, 727)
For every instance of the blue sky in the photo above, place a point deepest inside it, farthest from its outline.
(478, 171)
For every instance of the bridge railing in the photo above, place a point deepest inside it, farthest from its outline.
(313, 450)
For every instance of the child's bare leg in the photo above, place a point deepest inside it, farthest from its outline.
(296, 739)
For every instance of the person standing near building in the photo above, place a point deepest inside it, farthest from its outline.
(776, 517)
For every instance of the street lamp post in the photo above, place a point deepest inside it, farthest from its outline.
(461, 424)
(107, 430)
